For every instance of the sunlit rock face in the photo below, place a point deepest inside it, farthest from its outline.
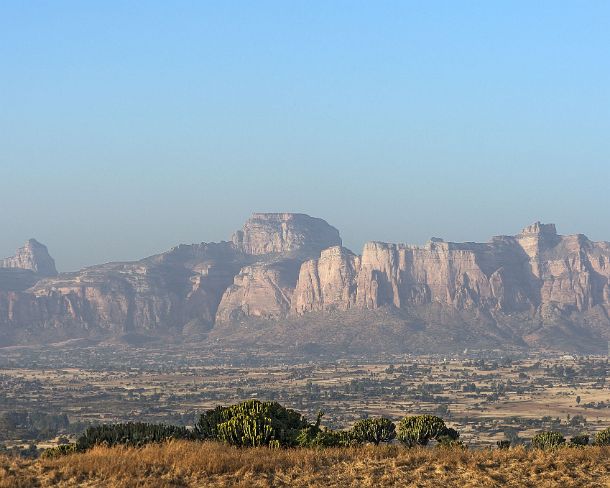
(534, 271)
(534, 288)
(266, 233)
(33, 256)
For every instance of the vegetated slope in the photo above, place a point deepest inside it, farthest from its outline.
(536, 289)
(195, 464)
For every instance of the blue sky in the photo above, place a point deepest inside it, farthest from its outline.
(128, 127)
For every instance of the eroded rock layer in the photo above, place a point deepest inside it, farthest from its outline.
(536, 288)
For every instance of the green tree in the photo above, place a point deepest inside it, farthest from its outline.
(374, 430)
(252, 423)
(602, 438)
(418, 430)
(548, 440)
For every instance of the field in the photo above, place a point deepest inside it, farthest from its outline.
(192, 464)
(487, 398)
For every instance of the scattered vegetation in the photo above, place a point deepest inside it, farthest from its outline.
(130, 434)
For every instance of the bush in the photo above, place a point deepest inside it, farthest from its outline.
(503, 444)
(374, 430)
(418, 430)
(603, 438)
(579, 440)
(548, 440)
(325, 438)
(130, 434)
(58, 451)
(252, 423)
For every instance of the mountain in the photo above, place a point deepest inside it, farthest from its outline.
(284, 279)
(29, 264)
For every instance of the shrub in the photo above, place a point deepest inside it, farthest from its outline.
(602, 438)
(449, 438)
(325, 438)
(58, 451)
(420, 429)
(252, 423)
(548, 440)
(130, 434)
(315, 436)
(503, 444)
(579, 440)
(373, 430)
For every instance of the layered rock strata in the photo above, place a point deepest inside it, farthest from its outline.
(529, 288)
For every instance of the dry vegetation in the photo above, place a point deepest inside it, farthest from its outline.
(193, 464)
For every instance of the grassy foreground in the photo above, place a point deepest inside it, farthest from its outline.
(196, 464)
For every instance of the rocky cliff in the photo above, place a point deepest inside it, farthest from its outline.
(535, 289)
(33, 256)
(29, 264)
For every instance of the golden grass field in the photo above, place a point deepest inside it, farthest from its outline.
(194, 464)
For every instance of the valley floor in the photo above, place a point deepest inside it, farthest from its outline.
(193, 464)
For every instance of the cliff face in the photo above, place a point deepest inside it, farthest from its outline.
(267, 233)
(33, 256)
(537, 288)
(180, 291)
(535, 271)
(327, 283)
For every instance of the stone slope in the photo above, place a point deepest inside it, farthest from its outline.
(537, 289)
(176, 292)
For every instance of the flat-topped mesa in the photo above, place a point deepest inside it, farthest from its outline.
(538, 228)
(33, 256)
(267, 233)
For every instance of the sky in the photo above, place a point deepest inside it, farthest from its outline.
(129, 127)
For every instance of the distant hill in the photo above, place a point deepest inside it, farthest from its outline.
(285, 280)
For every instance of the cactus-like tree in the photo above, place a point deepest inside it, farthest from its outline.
(418, 430)
(374, 430)
(602, 438)
(548, 440)
(252, 423)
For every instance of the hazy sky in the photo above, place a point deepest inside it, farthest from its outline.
(129, 127)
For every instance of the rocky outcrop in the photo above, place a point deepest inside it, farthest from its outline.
(276, 244)
(550, 278)
(266, 233)
(260, 290)
(536, 288)
(185, 290)
(327, 283)
(30, 263)
(33, 256)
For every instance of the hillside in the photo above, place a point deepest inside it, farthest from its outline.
(192, 464)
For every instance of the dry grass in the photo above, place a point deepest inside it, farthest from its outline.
(192, 464)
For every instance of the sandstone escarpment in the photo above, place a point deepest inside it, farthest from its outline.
(260, 290)
(327, 283)
(266, 233)
(538, 272)
(537, 287)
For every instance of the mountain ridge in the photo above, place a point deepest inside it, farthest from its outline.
(536, 289)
